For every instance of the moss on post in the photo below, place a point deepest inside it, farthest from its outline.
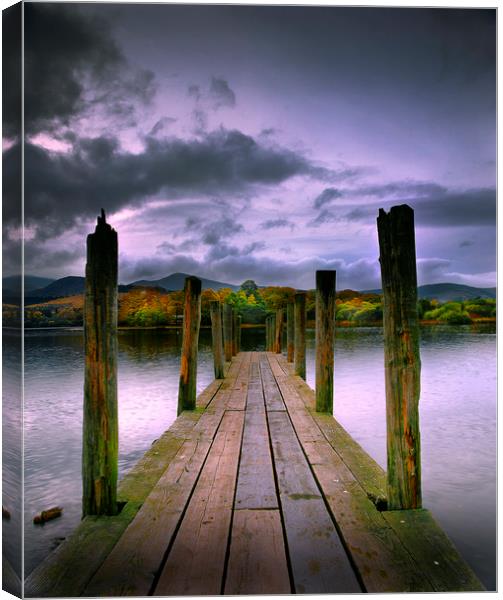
(216, 337)
(100, 429)
(188, 365)
(300, 334)
(325, 337)
(401, 355)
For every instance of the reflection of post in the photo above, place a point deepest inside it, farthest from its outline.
(401, 355)
(278, 331)
(300, 334)
(290, 332)
(100, 431)
(227, 315)
(325, 333)
(188, 366)
(216, 336)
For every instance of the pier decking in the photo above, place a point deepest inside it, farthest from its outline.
(254, 492)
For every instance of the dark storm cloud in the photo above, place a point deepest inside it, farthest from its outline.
(326, 196)
(72, 65)
(97, 172)
(465, 244)
(277, 223)
(212, 233)
(11, 71)
(221, 93)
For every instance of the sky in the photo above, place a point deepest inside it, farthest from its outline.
(257, 142)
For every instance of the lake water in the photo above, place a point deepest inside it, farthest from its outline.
(457, 412)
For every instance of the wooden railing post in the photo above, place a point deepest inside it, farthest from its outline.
(401, 355)
(325, 337)
(100, 430)
(272, 332)
(266, 323)
(290, 332)
(188, 366)
(239, 332)
(278, 331)
(216, 336)
(227, 317)
(300, 334)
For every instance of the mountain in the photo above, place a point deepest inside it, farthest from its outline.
(67, 286)
(444, 292)
(176, 282)
(12, 285)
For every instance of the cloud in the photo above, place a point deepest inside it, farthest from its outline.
(221, 94)
(465, 244)
(277, 223)
(73, 67)
(214, 232)
(97, 172)
(161, 124)
(326, 196)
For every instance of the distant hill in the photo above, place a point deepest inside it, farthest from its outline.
(444, 292)
(66, 286)
(12, 285)
(176, 282)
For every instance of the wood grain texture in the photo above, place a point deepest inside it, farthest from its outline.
(401, 355)
(188, 363)
(325, 338)
(195, 564)
(300, 334)
(257, 558)
(290, 332)
(227, 331)
(100, 440)
(278, 330)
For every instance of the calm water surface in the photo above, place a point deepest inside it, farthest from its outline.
(457, 410)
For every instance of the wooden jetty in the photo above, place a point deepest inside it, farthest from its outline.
(255, 488)
(254, 492)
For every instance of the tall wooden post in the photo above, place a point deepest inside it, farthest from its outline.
(290, 332)
(188, 365)
(216, 336)
(325, 337)
(300, 334)
(278, 331)
(272, 331)
(266, 324)
(239, 332)
(234, 332)
(227, 317)
(100, 431)
(401, 355)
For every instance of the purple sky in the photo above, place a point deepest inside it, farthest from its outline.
(259, 142)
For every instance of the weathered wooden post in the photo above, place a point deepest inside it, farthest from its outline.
(216, 336)
(188, 365)
(290, 332)
(300, 334)
(239, 332)
(266, 323)
(401, 355)
(325, 335)
(227, 318)
(278, 331)
(100, 431)
(234, 332)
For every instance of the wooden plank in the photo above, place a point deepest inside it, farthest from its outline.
(195, 564)
(10, 580)
(257, 559)
(318, 559)
(256, 487)
(207, 395)
(237, 400)
(433, 551)
(131, 567)
(67, 570)
(273, 399)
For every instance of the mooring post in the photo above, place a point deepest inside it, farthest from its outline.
(227, 317)
(290, 332)
(278, 339)
(240, 319)
(234, 332)
(300, 334)
(325, 336)
(216, 336)
(272, 332)
(100, 431)
(188, 365)
(266, 325)
(401, 355)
